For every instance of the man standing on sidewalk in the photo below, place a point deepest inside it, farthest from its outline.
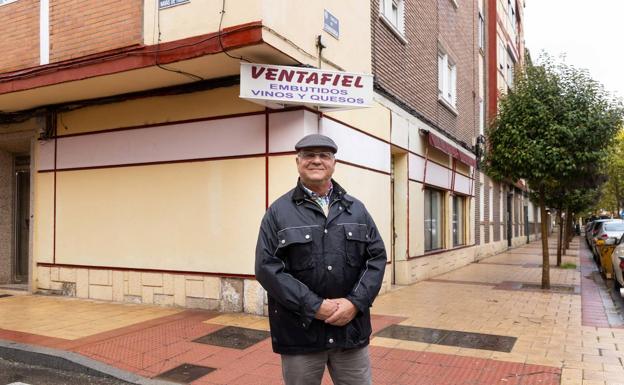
(321, 260)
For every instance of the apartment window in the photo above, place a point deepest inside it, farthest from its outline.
(510, 70)
(481, 28)
(447, 79)
(501, 55)
(392, 12)
(512, 13)
(434, 208)
(459, 211)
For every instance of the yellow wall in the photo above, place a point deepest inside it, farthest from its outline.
(196, 18)
(374, 120)
(302, 21)
(282, 175)
(43, 220)
(291, 26)
(400, 205)
(416, 219)
(200, 216)
(217, 102)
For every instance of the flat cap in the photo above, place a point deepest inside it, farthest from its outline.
(316, 140)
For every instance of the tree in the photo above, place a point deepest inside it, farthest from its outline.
(613, 190)
(551, 130)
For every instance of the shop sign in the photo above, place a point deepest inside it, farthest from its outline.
(276, 86)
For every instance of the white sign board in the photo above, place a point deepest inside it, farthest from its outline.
(162, 4)
(276, 86)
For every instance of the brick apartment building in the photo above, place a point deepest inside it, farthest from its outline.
(424, 55)
(505, 215)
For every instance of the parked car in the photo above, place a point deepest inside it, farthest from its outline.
(617, 258)
(588, 227)
(590, 235)
(611, 232)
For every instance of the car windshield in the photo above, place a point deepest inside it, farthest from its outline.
(617, 226)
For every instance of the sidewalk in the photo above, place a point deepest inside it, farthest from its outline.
(483, 324)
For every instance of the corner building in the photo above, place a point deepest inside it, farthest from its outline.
(143, 176)
(132, 171)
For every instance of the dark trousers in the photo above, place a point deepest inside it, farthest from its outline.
(346, 367)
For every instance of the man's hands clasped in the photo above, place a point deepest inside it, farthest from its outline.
(337, 312)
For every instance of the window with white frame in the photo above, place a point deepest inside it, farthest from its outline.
(510, 70)
(447, 78)
(481, 28)
(511, 13)
(501, 55)
(459, 211)
(434, 209)
(393, 13)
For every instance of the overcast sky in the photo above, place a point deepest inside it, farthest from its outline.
(589, 33)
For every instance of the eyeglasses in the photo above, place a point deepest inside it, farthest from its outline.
(310, 155)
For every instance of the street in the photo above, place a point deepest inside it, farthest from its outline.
(16, 373)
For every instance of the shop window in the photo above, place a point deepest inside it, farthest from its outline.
(459, 220)
(434, 209)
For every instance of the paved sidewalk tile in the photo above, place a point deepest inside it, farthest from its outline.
(548, 337)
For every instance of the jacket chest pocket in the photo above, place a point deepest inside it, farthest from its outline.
(296, 246)
(356, 241)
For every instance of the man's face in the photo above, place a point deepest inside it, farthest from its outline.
(315, 165)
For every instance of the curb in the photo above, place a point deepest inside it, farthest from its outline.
(70, 362)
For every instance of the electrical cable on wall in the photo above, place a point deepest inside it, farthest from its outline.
(157, 54)
(221, 33)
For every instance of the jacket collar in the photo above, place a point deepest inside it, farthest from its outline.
(338, 193)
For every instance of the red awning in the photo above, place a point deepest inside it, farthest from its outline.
(448, 148)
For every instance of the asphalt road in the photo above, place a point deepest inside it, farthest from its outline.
(11, 372)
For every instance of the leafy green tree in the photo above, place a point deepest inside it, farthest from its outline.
(551, 130)
(613, 189)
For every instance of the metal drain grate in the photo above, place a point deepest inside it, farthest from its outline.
(568, 289)
(185, 373)
(536, 287)
(234, 337)
(449, 338)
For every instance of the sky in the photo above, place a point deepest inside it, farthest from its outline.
(589, 33)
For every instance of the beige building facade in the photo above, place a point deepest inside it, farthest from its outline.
(136, 173)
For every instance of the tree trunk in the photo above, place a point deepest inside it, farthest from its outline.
(560, 238)
(566, 233)
(545, 256)
(570, 227)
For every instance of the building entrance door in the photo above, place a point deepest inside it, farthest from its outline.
(21, 222)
